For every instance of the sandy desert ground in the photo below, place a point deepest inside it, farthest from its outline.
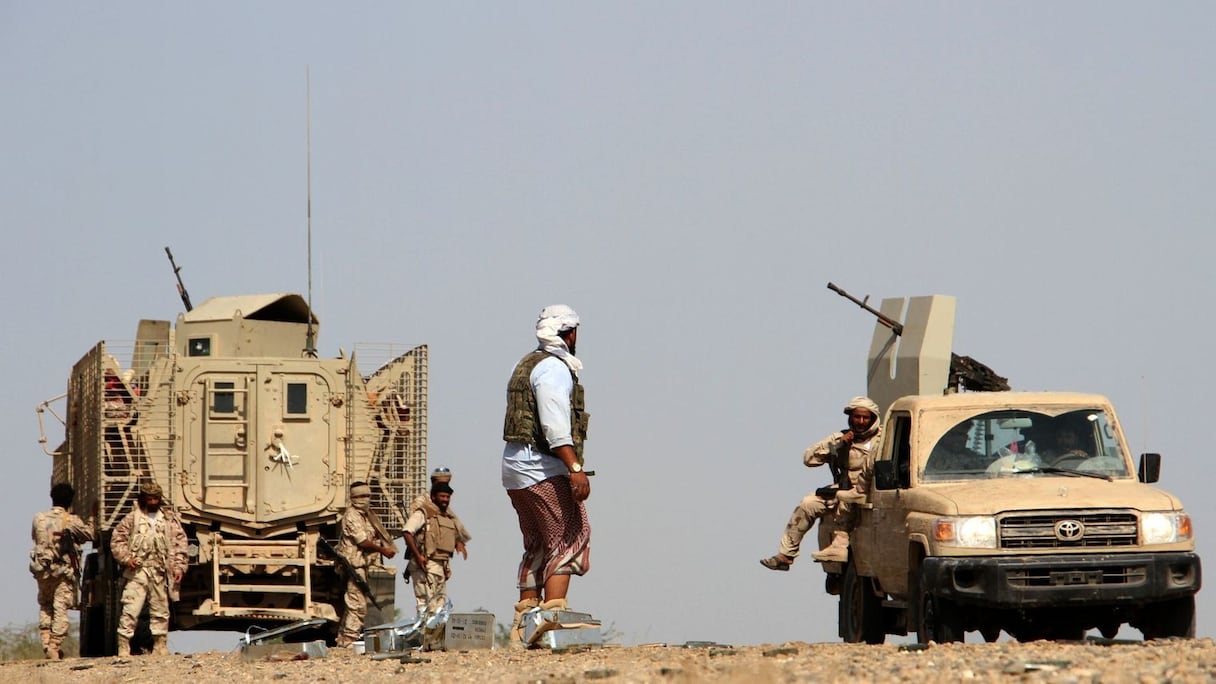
(1191, 660)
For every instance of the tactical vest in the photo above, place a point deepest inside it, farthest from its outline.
(522, 422)
(148, 543)
(439, 542)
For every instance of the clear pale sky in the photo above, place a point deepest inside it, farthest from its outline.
(688, 176)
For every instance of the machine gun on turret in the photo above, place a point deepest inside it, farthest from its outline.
(965, 372)
(181, 287)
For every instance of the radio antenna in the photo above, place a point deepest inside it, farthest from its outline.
(310, 338)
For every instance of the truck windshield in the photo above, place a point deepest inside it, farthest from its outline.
(1019, 443)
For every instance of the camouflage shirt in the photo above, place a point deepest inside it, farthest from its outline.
(854, 461)
(52, 555)
(158, 544)
(356, 529)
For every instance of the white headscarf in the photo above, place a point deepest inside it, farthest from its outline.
(552, 320)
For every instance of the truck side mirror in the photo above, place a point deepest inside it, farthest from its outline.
(885, 475)
(1150, 467)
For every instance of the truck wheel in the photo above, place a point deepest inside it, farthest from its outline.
(938, 619)
(860, 610)
(1169, 619)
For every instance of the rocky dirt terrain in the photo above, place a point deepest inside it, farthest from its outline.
(1141, 663)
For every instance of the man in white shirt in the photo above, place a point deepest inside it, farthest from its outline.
(542, 464)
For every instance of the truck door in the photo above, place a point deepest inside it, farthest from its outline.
(890, 560)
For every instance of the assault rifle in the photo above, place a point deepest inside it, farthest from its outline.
(67, 549)
(965, 372)
(364, 587)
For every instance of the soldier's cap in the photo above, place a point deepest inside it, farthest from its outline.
(151, 489)
(441, 474)
(861, 403)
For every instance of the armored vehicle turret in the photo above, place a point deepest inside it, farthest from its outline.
(254, 440)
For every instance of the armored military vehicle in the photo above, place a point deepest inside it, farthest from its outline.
(254, 440)
(1005, 511)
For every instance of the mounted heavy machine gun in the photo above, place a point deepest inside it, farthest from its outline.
(966, 374)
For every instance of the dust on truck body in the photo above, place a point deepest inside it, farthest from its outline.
(981, 518)
(254, 443)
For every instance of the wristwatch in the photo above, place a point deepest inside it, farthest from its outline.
(577, 467)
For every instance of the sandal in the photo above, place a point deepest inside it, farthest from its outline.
(775, 563)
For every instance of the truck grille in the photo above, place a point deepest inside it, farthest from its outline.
(1067, 530)
(1030, 578)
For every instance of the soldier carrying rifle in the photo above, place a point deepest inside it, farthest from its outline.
(364, 540)
(55, 565)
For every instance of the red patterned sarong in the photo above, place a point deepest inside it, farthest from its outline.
(557, 536)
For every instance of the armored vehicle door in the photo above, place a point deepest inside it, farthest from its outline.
(260, 438)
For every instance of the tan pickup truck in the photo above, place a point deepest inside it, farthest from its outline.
(1020, 512)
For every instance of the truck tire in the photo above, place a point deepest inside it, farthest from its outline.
(860, 610)
(1168, 619)
(937, 618)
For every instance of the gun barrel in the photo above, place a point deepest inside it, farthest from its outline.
(895, 326)
(361, 583)
(181, 287)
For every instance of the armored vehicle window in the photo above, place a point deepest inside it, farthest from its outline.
(199, 346)
(297, 399)
(225, 401)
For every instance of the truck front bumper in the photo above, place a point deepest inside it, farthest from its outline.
(1090, 579)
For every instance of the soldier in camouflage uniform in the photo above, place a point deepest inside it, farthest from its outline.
(850, 455)
(433, 536)
(422, 502)
(149, 544)
(363, 542)
(55, 564)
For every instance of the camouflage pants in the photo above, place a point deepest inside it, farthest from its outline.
(810, 509)
(351, 628)
(56, 596)
(430, 586)
(151, 586)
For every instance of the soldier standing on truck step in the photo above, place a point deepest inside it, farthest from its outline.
(433, 536)
(363, 542)
(55, 565)
(149, 544)
(849, 453)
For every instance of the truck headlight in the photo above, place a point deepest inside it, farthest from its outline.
(1165, 528)
(973, 532)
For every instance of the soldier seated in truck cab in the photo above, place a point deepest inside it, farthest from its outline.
(953, 456)
(1069, 443)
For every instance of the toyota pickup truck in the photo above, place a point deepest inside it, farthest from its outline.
(1021, 512)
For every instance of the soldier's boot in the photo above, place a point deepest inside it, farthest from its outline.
(837, 551)
(517, 627)
(124, 646)
(160, 645)
(52, 651)
(554, 604)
